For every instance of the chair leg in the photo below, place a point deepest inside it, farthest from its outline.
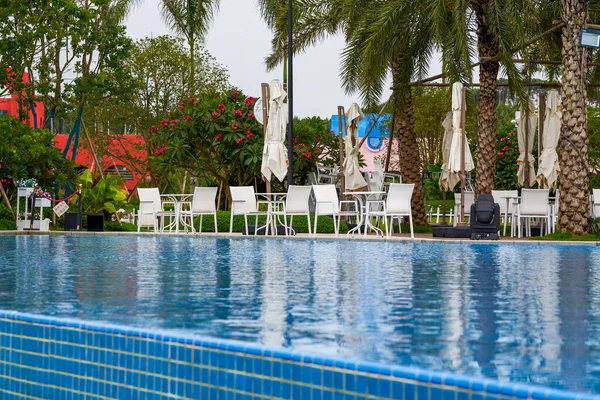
(199, 230)
(335, 227)
(256, 226)
(519, 226)
(216, 229)
(412, 233)
(308, 223)
(389, 227)
(231, 224)
(316, 218)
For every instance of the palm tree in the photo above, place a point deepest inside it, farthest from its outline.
(574, 210)
(190, 18)
(373, 51)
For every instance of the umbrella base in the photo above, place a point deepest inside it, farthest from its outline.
(452, 231)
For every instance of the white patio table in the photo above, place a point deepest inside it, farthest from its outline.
(363, 198)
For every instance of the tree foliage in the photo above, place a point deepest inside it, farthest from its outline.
(28, 153)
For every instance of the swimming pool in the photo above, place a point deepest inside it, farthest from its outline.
(524, 314)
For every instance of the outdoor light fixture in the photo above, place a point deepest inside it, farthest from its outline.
(589, 38)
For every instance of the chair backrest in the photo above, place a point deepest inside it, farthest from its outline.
(243, 199)
(149, 195)
(326, 198)
(297, 199)
(534, 201)
(204, 200)
(595, 202)
(399, 198)
(499, 195)
(469, 200)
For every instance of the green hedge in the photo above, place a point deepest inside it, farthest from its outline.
(325, 224)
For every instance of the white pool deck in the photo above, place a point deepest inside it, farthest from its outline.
(401, 238)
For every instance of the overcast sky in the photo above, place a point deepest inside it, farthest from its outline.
(240, 40)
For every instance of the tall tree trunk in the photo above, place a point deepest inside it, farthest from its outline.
(574, 208)
(486, 122)
(408, 155)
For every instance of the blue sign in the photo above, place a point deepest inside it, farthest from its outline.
(378, 134)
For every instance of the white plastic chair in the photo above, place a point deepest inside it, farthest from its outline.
(203, 203)
(243, 202)
(534, 204)
(469, 200)
(151, 209)
(385, 177)
(397, 205)
(595, 203)
(328, 203)
(500, 198)
(296, 203)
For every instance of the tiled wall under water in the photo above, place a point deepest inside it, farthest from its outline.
(51, 358)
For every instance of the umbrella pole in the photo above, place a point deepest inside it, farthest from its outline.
(527, 111)
(463, 176)
(290, 96)
(265, 111)
(542, 112)
(341, 126)
(389, 149)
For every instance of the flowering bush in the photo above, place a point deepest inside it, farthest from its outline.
(214, 136)
(29, 182)
(507, 148)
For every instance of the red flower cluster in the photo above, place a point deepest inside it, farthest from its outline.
(5, 181)
(160, 151)
(250, 100)
(235, 126)
(154, 130)
(174, 121)
(505, 148)
(318, 138)
(238, 113)
(317, 150)
(187, 118)
(250, 115)
(221, 107)
(192, 99)
(181, 108)
(164, 122)
(235, 94)
(502, 139)
(249, 135)
(306, 154)
(512, 134)
(215, 115)
(500, 153)
(218, 137)
(239, 140)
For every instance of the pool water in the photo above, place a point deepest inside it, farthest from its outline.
(527, 314)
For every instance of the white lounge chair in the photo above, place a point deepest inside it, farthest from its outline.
(296, 203)
(397, 205)
(152, 209)
(328, 203)
(500, 198)
(244, 202)
(534, 204)
(203, 203)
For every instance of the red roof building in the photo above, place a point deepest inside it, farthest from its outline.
(125, 155)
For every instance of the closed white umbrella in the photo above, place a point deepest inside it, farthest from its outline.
(457, 136)
(521, 135)
(448, 179)
(352, 176)
(549, 168)
(275, 157)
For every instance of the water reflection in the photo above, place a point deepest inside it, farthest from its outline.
(516, 313)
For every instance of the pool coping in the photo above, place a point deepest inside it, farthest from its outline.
(429, 378)
(304, 236)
